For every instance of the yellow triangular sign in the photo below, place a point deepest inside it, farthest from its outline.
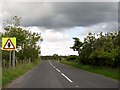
(9, 45)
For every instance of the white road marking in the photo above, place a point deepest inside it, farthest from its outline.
(58, 70)
(50, 63)
(66, 77)
(61, 72)
(77, 86)
(54, 67)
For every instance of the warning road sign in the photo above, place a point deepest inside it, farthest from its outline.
(8, 43)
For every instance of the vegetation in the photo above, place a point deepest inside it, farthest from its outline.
(72, 58)
(27, 51)
(10, 74)
(108, 72)
(98, 54)
(53, 57)
(101, 51)
(27, 48)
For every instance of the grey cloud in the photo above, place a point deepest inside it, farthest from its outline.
(64, 15)
(85, 14)
(104, 27)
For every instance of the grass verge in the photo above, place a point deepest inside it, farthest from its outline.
(10, 74)
(108, 72)
(0, 78)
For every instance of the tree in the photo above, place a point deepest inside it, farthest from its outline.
(101, 51)
(77, 45)
(27, 48)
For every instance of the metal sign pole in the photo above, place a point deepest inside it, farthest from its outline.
(10, 59)
(13, 59)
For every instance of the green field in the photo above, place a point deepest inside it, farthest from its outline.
(108, 72)
(11, 74)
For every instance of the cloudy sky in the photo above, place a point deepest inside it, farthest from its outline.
(59, 22)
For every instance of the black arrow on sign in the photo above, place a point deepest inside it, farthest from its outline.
(9, 44)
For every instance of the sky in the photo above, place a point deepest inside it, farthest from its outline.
(59, 22)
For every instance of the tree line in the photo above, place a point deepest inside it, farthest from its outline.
(26, 42)
(102, 49)
(53, 57)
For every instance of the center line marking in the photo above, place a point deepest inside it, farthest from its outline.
(77, 86)
(50, 63)
(66, 77)
(60, 72)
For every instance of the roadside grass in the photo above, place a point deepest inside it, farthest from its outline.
(0, 77)
(105, 71)
(10, 74)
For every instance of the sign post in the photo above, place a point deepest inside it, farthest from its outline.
(10, 61)
(9, 44)
(13, 59)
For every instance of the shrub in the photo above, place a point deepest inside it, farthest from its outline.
(72, 58)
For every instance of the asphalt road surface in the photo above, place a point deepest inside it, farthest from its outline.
(52, 74)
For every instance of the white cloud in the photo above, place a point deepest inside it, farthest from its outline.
(60, 48)
(102, 27)
(55, 36)
(82, 32)
(54, 42)
(59, 42)
(35, 29)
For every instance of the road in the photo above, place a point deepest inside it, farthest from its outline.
(52, 74)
